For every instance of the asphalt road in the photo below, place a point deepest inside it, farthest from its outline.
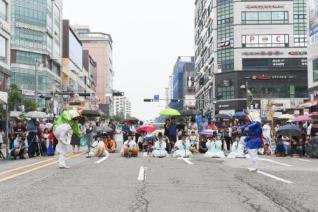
(168, 184)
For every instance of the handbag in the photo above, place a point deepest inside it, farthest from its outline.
(83, 141)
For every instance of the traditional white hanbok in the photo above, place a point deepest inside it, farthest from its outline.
(237, 150)
(214, 149)
(160, 149)
(63, 134)
(98, 150)
(183, 149)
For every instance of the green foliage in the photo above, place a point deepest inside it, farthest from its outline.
(29, 105)
(15, 97)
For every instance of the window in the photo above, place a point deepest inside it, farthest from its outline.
(28, 58)
(225, 93)
(3, 49)
(3, 10)
(273, 17)
(315, 69)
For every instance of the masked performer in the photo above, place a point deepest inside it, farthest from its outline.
(253, 140)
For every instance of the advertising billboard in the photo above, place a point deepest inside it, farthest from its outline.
(250, 41)
(313, 21)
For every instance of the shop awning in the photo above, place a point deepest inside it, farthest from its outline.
(309, 104)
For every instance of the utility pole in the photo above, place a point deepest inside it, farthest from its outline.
(36, 82)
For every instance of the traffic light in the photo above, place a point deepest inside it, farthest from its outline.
(148, 100)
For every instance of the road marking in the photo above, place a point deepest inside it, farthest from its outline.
(275, 162)
(26, 166)
(102, 159)
(305, 160)
(274, 177)
(34, 169)
(142, 174)
(187, 160)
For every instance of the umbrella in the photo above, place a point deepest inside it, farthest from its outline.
(16, 114)
(90, 113)
(146, 128)
(169, 112)
(313, 114)
(302, 118)
(240, 115)
(208, 133)
(286, 116)
(222, 116)
(104, 130)
(36, 115)
(132, 120)
(289, 130)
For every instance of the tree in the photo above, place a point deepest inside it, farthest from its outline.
(15, 97)
(29, 105)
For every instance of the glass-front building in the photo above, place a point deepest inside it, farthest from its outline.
(4, 43)
(36, 45)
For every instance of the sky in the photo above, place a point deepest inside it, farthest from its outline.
(148, 36)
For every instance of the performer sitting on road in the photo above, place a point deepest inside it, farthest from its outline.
(98, 148)
(194, 141)
(110, 144)
(160, 147)
(214, 146)
(237, 149)
(130, 148)
(182, 147)
(253, 140)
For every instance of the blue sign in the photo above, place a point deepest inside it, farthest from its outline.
(156, 98)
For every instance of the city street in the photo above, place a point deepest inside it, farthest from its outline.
(151, 184)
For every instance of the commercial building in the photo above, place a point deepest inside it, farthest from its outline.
(122, 107)
(36, 45)
(183, 84)
(4, 43)
(250, 54)
(100, 47)
(313, 49)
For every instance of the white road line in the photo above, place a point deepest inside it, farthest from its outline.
(274, 177)
(305, 160)
(187, 160)
(101, 160)
(141, 175)
(275, 162)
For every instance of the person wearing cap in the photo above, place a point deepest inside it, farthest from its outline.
(253, 141)
(130, 147)
(63, 129)
(183, 147)
(160, 147)
(214, 146)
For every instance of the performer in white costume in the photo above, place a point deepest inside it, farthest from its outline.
(183, 147)
(63, 134)
(160, 147)
(214, 146)
(237, 149)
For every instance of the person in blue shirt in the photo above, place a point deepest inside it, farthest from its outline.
(126, 131)
(173, 132)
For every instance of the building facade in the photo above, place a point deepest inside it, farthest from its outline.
(249, 53)
(122, 107)
(100, 46)
(4, 43)
(183, 83)
(313, 49)
(36, 45)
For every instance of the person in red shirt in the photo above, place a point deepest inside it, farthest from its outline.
(212, 126)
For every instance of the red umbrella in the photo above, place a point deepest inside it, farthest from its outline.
(146, 128)
(313, 114)
(302, 118)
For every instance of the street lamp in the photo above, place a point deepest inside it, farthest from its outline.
(36, 65)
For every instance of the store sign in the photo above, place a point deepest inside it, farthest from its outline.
(4, 26)
(273, 77)
(262, 53)
(29, 27)
(189, 100)
(264, 7)
(277, 40)
(26, 92)
(297, 53)
(274, 64)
